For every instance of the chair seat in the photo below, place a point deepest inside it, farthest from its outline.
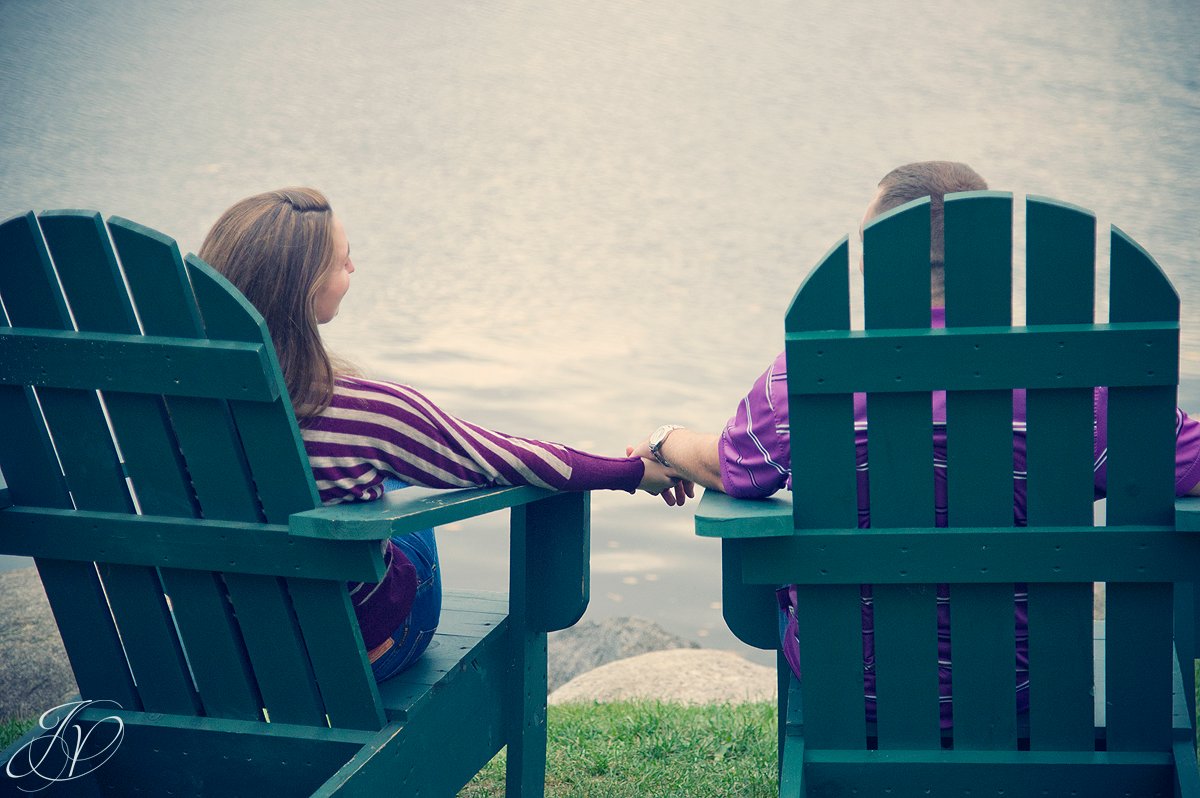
(471, 622)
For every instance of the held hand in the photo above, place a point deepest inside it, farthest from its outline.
(660, 481)
(641, 450)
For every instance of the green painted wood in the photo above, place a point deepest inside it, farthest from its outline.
(88, 633)
(896, 292)
(524, 695)
(909, 556)
(824, 486)
(822, 445)
(1138, 660)
(187, 756)
(721, 516)
(978, 258)
(829, 621)
(284, 485)
(979, 423)
(896, 295)
(159, 284)
(791, 753)
(750, 610)
(218, 473)
(1060, 667)
(95, 289)
(155, 365)
(955, 773)
(413, 757)
(906, 666)
(978, 276)
(28, 289)
(1060, 262)
(410, 510)
(525, 707)
(276, 649)
(181, 543)
(1185, 638)
(450, 656)
(269, 432)
(553, 538)
(1141, 424)
(983, 646)
(1060, 259)
(219, 661)
(336, 651)
(809, 309)
(983, 358)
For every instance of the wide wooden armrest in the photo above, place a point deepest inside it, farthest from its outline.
(720, 516)
(1187, 513)
(410, 510)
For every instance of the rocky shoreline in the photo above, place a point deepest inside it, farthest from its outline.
(610, 660)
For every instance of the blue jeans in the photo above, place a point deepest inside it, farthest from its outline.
(412, 638)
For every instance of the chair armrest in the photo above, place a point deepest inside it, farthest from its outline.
(1187, 513)
(720, 516)
(404, 511)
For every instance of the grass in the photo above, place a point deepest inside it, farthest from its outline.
(649, 748)
(637, 749)
(12, 730)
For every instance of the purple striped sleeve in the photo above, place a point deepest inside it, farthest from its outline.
(754, 444)
(374, 429)
(1187, 448)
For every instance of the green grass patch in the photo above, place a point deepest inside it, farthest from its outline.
(650, 748)
(13, 730)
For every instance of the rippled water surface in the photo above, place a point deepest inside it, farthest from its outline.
(576, 220)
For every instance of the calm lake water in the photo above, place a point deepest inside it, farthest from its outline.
(577, 221)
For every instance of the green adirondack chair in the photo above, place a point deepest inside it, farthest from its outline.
(1110, 711)
(195, 579)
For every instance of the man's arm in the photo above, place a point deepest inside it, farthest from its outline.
(692, 455)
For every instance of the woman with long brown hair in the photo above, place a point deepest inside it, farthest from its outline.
(288, 253)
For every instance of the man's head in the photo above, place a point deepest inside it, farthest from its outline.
(933, 179)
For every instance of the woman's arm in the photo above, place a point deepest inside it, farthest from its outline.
(374, 429)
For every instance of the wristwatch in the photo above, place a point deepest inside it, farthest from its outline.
(658, 438)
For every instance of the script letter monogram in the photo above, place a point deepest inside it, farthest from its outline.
(65, 751)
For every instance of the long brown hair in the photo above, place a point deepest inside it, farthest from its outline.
(277, 248)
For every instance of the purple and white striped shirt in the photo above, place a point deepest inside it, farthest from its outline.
(755, 461)
(373, 430)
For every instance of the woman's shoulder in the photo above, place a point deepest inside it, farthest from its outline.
(360, 392)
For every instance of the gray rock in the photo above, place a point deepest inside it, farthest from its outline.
(34, 672)
(591, 644)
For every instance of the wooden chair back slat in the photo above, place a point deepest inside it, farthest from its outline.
(823, 460)
(1060, 265)
(93, 286)
(824, 487)
(978, 292)
(1138, 666)
(215, 467)
(1141, 422)
(216, 464)
(316, 657)
(896, 294)
(831, 622)
(29, 291)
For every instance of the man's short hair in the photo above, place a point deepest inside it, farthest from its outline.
(933, 179)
